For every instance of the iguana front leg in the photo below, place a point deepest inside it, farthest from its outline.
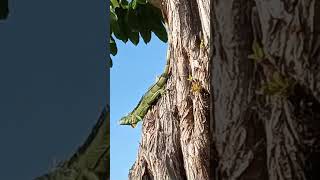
(134, 123)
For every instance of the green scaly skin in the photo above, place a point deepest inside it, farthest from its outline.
(150, 97)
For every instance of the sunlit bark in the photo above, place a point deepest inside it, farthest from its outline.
(228, 128)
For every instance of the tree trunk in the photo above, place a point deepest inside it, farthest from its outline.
(236, 118)
(176, 137)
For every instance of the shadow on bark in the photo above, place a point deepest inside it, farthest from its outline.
(237, 126)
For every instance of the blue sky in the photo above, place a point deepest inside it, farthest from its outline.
(134, 70)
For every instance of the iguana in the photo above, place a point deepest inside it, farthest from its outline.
(147, 100)
(91, 161)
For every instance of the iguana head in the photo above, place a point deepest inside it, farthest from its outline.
(129, 120)
(124, 120)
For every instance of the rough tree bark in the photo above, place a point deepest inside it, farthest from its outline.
(176, 138)
(259, 136)
(220, 124)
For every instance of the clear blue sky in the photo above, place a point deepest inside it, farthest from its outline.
(134, 70)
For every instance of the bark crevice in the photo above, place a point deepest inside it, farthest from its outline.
(177, 126)
(223, 124)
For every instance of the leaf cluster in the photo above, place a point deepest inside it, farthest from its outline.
(130, 21)
(196, 86)
(278, 85)
(258, 54)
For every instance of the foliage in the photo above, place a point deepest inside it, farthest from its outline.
(196, 86)
(132, 20)
(278, 86)
(258, 53)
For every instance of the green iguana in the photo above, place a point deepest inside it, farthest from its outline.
(147, 100)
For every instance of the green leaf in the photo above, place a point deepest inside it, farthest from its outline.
(190, 78)
(157, 12)
(253, 56)
(133, 21)
(124, 4)
(121, 33)
(110, 62)
(115, 29)
(132, 35)
(154, 22)
(134, 38)
(114, 25)
(141, 1)
(255, 47)
(115, 3)
(257, 50)
(113, 46)
(260, 53)
(133, 4)
(146, 36)
(113, 15)
(161, 33)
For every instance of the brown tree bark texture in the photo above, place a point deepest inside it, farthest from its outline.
(245, 121)
(227, 129)
(175, 140)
